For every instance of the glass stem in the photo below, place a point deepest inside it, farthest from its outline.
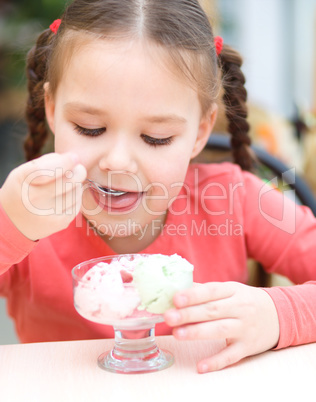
(135, 344)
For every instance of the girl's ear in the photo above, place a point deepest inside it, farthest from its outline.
(49, 107)
(205, 128)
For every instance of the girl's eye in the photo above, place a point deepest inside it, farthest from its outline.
(156, 141)
(92, 132)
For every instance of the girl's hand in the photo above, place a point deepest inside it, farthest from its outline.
(43, 196)
(245, 316)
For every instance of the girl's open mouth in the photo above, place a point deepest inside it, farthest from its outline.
(115, 200)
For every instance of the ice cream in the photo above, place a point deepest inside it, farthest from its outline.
(130, 288)
(157, 278)
(105, 292)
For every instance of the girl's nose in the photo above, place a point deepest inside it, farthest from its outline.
(119, 157)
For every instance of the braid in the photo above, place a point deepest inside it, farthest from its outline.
(235, 97)
(35, 110)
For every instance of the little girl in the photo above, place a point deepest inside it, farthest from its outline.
(130, 90)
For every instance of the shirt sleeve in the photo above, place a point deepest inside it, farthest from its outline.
(281, 236)
(14, 246)
(297, 313)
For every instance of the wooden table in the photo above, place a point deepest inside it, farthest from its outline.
(68, 371)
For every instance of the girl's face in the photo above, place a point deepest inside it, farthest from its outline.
(135, 126)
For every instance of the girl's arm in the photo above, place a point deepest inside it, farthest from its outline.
(14, 246)
(285, 244)
(281, 236)
(296, 308)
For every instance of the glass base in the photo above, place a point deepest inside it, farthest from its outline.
(135, 352)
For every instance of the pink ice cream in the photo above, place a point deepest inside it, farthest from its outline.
(105, 292)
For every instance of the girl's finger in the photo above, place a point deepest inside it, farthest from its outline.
(48, 168)
(53, 198)
(68, 203)
(209, 311)
(226, 357)
(226, 328)
(202, 293)
(70, 180)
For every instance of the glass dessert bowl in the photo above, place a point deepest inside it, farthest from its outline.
(130, 292)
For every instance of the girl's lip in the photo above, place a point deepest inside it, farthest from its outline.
(115, 200)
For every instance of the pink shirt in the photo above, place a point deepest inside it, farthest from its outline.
(221, 217)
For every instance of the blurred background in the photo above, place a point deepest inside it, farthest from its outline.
(277, 39)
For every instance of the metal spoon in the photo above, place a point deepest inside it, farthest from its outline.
(107, 191)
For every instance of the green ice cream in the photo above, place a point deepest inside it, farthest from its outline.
(157, 277)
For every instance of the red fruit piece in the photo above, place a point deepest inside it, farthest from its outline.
(127, 277)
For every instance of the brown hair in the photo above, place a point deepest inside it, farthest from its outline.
(179, 27)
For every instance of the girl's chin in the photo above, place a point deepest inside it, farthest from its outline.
(121, 227)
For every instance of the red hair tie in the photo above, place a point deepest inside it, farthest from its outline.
(55, 25)
(218, 41)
